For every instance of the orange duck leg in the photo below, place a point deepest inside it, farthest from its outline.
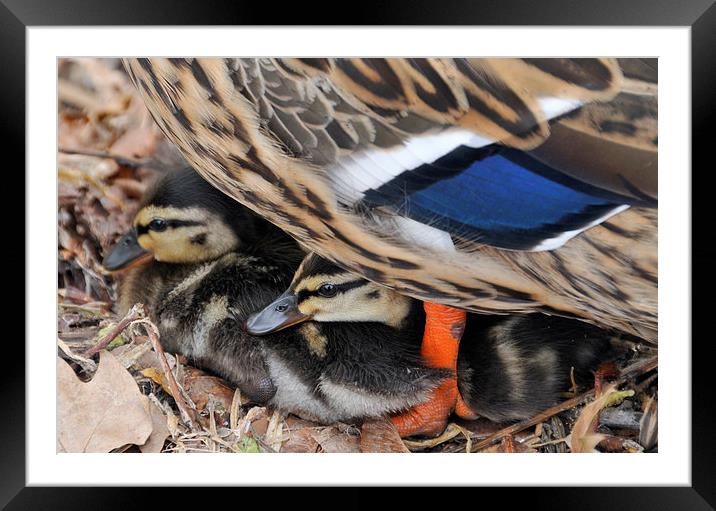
(444, 326)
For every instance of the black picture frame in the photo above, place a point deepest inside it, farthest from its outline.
(700, 15)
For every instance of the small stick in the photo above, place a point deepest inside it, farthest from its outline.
(122, 160)
(632, 371)
(136, 312)
(468, 438)
(450, 432)
(551, 442)
(574, 388)
(188, 414)
(235, 410)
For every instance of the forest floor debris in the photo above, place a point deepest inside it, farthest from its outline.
(112, 370)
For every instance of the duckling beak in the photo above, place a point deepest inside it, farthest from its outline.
(281, 313)
(124, 252)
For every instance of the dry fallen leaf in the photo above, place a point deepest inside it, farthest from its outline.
(160, 430)
(583, 437)
(380, 435)
(157, 376)
(300, 440)
(138, 142)
(504, 448)
(103, 414)
(200, 385)
(332, 439)
(649, 431)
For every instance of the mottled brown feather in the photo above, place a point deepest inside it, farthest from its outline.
(224, 120)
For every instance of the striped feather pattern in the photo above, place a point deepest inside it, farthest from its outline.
(302, 141)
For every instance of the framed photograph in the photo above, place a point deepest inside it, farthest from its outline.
(383, 194)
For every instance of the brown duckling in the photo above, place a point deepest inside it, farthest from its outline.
(207, 254)
(361, 350)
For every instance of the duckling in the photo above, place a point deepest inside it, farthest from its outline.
(512, 367)
(361, 350)
(358, 357)
(207, 255)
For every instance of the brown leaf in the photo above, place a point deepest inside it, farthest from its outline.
(331, 439)
(380, 435)
(157, 376)
(611, 443)
(300, 440)
(200, 385)
(130, 187)
(160, 431)
(138, 142)
(583, 437)
(503, 448)
(103, 414)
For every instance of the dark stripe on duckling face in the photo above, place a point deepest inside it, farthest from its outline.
(327, 293)
(329, 290)
(184, 235)
(288, 309)
(161, 224)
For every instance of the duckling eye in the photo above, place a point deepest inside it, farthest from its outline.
(327, 290)
(157, 224)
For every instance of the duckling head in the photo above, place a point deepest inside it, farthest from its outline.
(323, 292)
(183, 219)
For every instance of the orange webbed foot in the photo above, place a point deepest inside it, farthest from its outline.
(444, 326)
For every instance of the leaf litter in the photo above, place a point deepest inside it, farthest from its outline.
(106, 413)
(118, 393)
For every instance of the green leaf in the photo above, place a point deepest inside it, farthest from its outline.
(248, 444)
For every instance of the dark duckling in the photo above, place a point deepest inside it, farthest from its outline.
(361, 350)
(207, 255)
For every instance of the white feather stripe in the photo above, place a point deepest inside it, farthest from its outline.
(355, 174)
(419, 234)
(558, 241)
(379, 167)
(404, 159)
(429, 148)
(389, 164)
(370, 169)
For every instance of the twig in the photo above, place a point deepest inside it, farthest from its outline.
(87, 365)
(136, 312)
(188, 414)
(550, 442)
(122, 160)
(573, 389)
(235, 410)
(468, 438)
(630, 372)
(450, 432)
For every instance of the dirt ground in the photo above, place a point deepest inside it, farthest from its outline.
(132, 397)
